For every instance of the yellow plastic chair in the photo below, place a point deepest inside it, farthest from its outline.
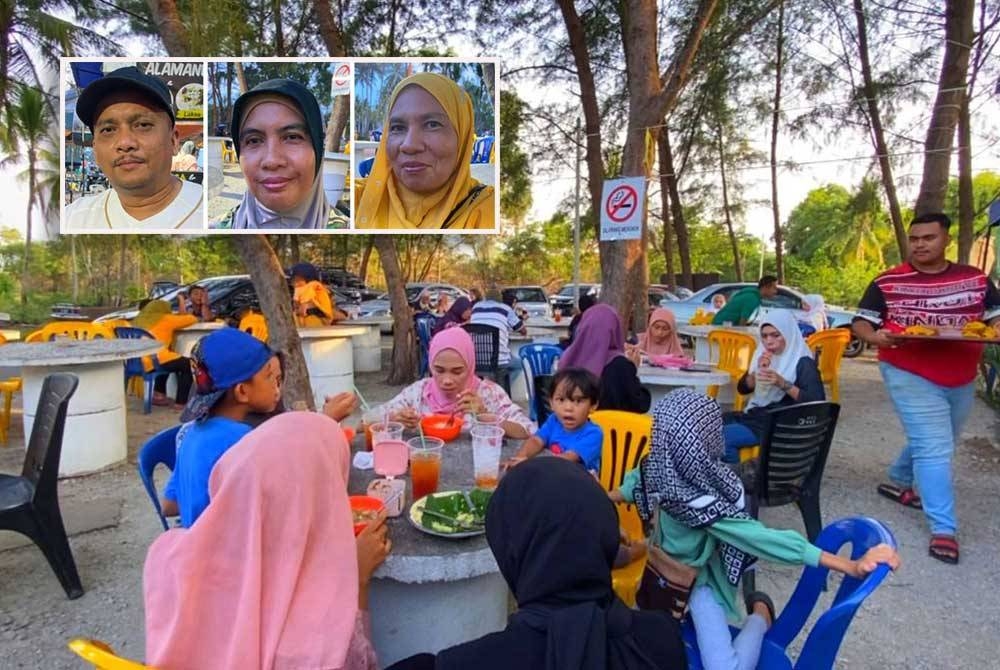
(78, 330)
(255, 324)
(735, 351)
(8, 388)
(701, 318)
(626, 440)
(828, 347)
(102, 657)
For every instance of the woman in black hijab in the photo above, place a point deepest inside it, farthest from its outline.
(554, 534)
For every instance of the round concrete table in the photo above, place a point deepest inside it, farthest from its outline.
(661, 381)
(431, 592)
(368, 346)
(538, 325)
(186, 338)
(95, 436)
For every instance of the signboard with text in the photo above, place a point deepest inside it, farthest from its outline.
(622, 205)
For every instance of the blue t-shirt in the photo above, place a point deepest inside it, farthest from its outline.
(200, 448)
(585, 441)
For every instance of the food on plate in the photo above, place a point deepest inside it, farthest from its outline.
(926, 331)
(362, 515)
(978, 330)
(451, 512)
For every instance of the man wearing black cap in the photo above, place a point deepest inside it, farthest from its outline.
(132, 118)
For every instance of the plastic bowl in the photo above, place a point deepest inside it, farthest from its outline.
(348, 433)
(437, 425)
(367, 504)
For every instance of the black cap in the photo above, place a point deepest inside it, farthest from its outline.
(301, 96)
(118, 80)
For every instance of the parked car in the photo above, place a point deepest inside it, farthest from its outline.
(161, 288)
(67, 311)
(787, 298)
(381, 306)
(563, 301)
(531, 299)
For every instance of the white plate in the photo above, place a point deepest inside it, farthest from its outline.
(416, 512)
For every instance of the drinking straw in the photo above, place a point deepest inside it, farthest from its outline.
(420, 427)
(364, 403)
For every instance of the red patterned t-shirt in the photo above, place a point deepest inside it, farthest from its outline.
(908, 297)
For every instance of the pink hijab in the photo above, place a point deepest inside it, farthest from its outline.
(673, 344)
(268, 575)
(460, 341)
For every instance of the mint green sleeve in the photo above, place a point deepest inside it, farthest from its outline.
(777, 546)
(627, 488)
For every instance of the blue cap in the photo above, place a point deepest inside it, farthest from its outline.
(220, 361)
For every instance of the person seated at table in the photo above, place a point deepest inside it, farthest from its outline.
(443, 304)
(660, 338)
(568, 432)
(195, 301)
(422, 177)
(782, 372)
(453, 387)
(554, 534)
(599, 346)
(459, 313)
(497, 310)
(156, 318)
(271, 576)
(186, 160)
(815, 307)
(743, 305)
(423, 309)
(718, 302)
(697, 503)
(312, 304)
(585, 302)
(475, 295)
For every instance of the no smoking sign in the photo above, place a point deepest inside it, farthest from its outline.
(622, 208)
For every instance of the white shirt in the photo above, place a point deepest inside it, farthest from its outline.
(500, 316)
(104, 211)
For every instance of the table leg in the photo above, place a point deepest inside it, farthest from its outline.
(368, 350)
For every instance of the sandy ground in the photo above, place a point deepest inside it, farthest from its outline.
(928, 615)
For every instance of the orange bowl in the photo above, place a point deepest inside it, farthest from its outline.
(364, 509)
(348, 433)
(437, 425)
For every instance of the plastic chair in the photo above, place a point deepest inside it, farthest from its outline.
(627, 438)
(537, 359)
(486, 340)
(78, 330)
(735, 351)
(828, 346)
(482, 149)
(29, 503)
(819, 652)
(102, 656)
(365, 167)
(134, 367)
(255, 324)
(423, 326)
(159, 449)
(8, 388)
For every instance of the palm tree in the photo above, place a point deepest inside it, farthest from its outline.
(30, 123)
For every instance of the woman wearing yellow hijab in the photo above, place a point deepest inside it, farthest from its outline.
(421, 177)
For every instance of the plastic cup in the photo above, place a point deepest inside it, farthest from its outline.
(389, 430)
(486, 445)
(369, 419)
(487, 419)
(425, 465)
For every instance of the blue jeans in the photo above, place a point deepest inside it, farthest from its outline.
(932, 418)
(719, 649)
(737, 436)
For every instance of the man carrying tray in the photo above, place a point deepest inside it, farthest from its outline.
(931, 383)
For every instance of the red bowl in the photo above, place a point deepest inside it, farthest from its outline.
(442, 426)
(366, 505)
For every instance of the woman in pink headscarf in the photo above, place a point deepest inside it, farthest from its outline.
(599, 346)
(271, 575)
(454, 388)
(660, 338)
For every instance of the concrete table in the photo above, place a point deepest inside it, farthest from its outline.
(368, 347)
(95, 436)
(538, 325)
(186, 338)
(661, 381)
(432, 593)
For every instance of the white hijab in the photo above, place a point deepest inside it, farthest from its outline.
(784, 363)
(816, 311)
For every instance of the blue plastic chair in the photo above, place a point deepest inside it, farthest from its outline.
(134, 367)
(365, 167)
(423, 326)
(161, 448)
(537, 359)
(820, 649)
(481, 149)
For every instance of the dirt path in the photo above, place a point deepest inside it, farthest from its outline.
(929, 615)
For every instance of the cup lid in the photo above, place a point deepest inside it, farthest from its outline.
(391, 457)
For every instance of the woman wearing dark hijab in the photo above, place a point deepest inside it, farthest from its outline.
(278, 133)
(554, 534)
(460, 312)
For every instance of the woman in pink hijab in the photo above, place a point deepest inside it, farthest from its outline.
(454, 388)
(660, 338)
(268, 577)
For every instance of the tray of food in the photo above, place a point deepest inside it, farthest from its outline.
(974, 331)
(452, 514)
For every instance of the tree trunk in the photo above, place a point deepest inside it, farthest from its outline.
(737, 263)
(296, 254)
(966, 205)
(26, 269)
(272, 291)
(668, 238)
(74, 273)
(677, 211)
(122, 254)
(241, 78)
(775, 118)
(339, 118)
(169, 25)
(329, 29)
(403, 368)
(944, 118)
(365, 257)
(878, 133)
(279, 33)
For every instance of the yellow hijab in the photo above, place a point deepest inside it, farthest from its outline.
(386, 204)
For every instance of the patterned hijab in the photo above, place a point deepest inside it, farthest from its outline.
(684, 476)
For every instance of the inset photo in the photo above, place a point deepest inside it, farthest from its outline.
(275, 159)
(424, 147)
(134, 141)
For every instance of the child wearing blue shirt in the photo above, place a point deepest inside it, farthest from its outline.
(568, 432)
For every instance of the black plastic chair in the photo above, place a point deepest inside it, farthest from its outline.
(486, 340)
(29, 504)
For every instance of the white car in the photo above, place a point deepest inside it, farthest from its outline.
(531, 299)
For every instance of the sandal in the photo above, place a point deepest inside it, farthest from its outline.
(944, 548)
(760, 597)
(161, 401)
(906, 497)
